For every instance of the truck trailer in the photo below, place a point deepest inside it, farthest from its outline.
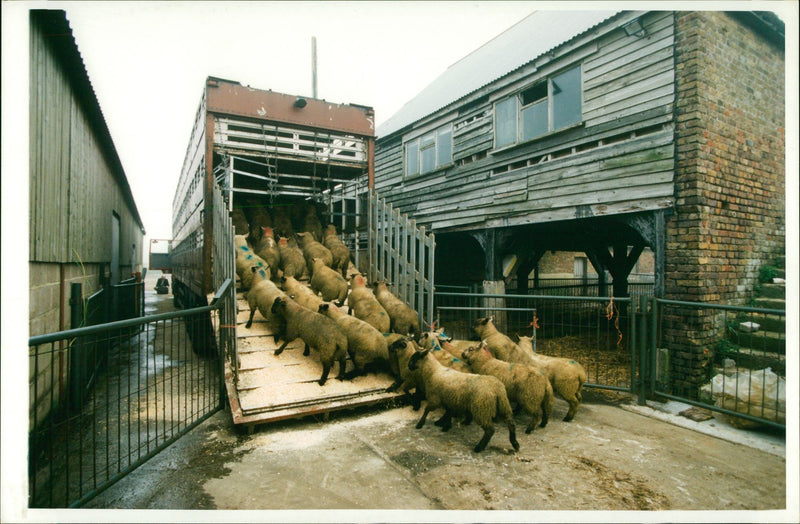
(258, 152)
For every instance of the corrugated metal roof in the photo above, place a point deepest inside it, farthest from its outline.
(533, 36)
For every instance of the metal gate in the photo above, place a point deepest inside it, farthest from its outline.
(728, 359)
(386, 244)
(148, 387)
(598, 332)
(401, 254)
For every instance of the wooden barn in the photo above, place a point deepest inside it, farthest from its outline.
(605, 133)
(84, 225)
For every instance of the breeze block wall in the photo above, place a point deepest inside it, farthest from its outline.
(730, 214)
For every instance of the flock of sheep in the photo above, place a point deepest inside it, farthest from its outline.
(471, 380)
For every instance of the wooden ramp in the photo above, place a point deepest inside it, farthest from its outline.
(271, 388)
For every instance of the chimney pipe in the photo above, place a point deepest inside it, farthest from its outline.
(314, 66)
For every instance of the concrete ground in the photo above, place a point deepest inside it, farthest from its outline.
(611, 457)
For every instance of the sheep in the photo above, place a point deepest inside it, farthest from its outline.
(317, 331)
(365, 306)
(267, 249)
(340, 252)
(403, 319)
(365, 344)
(452, 346)
(259, 220)
(566, 376)
(281, 222)
(328, 282)
(478, 397)
(429, 340)
(246, 259)
(498, 344)
(301, 294)
(240, 225)
(312, 224)
(399, 356)
(292, 263)
(313, 249)
(526, 385)
(240, 241)
(261, 296)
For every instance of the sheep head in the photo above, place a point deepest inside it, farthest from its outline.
(416, 358)
(279, 305)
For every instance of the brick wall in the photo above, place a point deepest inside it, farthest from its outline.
(48, 314)
(729, 215)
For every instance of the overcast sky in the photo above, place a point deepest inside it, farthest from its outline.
(148, 62)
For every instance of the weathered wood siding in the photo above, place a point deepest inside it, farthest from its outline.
(74, 185)
(619, 160)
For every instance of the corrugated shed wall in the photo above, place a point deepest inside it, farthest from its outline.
(74, 188)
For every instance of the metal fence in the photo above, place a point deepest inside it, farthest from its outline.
(582, 287)
(150, 387)
(401, 254)
(728, 359)
(225, 270)
(596, 332)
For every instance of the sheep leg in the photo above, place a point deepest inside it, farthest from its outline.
(573, 408)
(424, 416)
(535, 418)
(545, 417)
(306, 351)
(250, 320)
(467, 419)
(395, 385)
(488, 431)
(416, 399)
(342, 366)
(280, 349)
(446, 422)
(512, 435)
(326, 368)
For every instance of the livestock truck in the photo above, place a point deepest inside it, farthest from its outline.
(256, 152)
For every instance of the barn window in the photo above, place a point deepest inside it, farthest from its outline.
(505, 118)
(542, 108)
(430, 152)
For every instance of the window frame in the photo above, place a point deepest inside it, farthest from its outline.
(430, 142)
(519, 97)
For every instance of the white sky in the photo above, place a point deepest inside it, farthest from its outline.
(148, 62)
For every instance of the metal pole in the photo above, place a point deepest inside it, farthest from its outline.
(314, 66)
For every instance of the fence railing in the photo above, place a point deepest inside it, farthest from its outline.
(595, 331)
(150, 387)
(401, 254)
(582, 287)
(729, 359)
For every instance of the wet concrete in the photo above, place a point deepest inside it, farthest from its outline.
(608, 458)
